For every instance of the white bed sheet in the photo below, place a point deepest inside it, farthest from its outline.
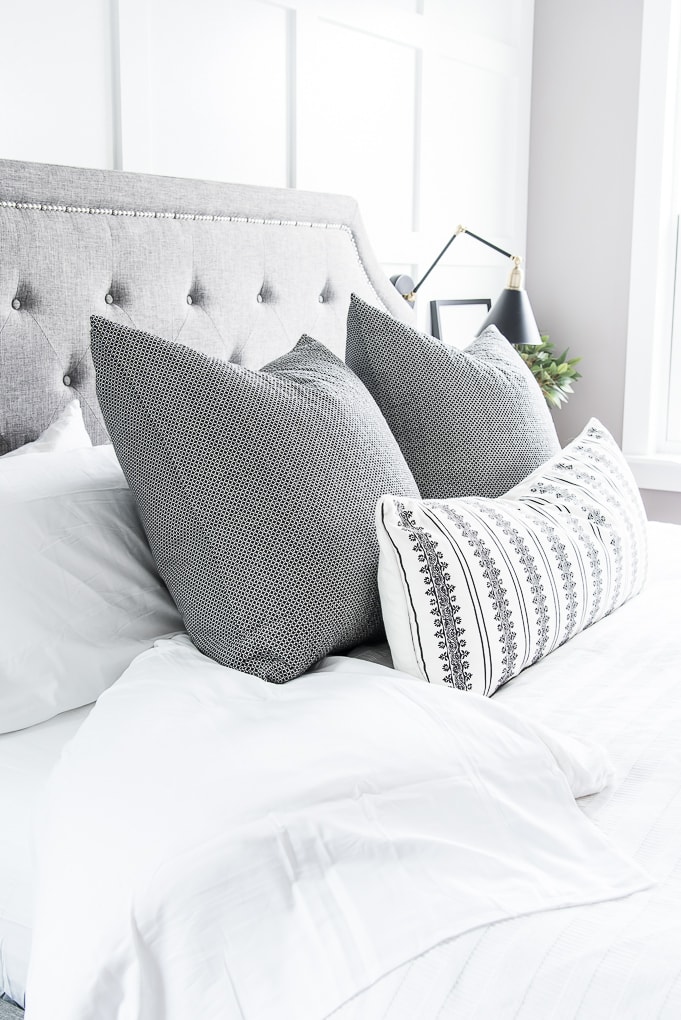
(609, 961)
(26, 760)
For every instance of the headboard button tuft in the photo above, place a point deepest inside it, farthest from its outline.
(259, 299)
(67, 380)
(321, 299)
(190, 299)
(108, 298)
(16, 304)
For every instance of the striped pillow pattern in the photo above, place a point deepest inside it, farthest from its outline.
(475, 590)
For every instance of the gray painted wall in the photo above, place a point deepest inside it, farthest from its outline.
(581, 187)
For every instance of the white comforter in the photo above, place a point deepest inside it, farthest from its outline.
(217, 847)
(618, 683)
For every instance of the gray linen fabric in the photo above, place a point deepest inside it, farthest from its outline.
(8, 1011)
(235, 271)
(257, 490)
(469, 423)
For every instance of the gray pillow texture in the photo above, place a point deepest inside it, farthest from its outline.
(257, 490)
(469, 422)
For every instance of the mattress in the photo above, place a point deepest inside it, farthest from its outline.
(26, 759)
(618, 682)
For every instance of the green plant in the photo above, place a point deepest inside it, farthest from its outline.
(555, 375)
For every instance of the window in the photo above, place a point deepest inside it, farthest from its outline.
(652, 403)
(672, 438)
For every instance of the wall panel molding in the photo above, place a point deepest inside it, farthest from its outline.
(420, 108)
(131, 47)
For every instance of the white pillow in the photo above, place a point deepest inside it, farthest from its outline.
(474, 590)
(67, 432)
(80, 594)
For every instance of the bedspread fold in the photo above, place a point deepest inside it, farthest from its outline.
(216, 846)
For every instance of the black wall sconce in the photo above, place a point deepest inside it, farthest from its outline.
(511, 313)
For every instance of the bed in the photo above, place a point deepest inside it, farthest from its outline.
(384, 905)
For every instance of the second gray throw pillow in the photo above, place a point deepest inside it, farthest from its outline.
(469, 423)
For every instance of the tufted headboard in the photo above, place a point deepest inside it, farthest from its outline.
(236, 271)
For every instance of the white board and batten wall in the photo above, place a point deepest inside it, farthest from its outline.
(418, 108)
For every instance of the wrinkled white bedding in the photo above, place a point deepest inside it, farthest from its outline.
(26, 760)
(618, 683)
(215, 846)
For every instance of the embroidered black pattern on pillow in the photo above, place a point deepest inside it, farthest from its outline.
(593, 558)
(532, 575)
(582, 537)
(442, 598)
(613, 503)
(496, 593)
(590, 486)
(565, 571)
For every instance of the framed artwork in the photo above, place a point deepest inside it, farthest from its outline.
(457, 321)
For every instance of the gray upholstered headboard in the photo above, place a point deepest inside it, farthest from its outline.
(236, 271)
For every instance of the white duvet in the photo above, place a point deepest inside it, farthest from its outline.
(214, 846)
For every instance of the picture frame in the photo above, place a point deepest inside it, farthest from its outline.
(456, 321)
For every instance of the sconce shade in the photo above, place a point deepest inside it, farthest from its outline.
(512, 315)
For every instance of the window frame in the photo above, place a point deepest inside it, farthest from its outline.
(655, 461)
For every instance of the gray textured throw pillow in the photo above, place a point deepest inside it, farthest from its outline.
(257, 491)
(469, 423)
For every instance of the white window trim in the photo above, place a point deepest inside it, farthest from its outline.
(653, 253)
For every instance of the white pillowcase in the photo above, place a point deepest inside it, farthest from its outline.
(80, 593)
(67, 432)
(474, 590)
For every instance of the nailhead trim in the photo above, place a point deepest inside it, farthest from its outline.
(143, 213)
(43, 207)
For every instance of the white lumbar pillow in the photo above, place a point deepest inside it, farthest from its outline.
(80, 594)
(474, 590)
(66, 432)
